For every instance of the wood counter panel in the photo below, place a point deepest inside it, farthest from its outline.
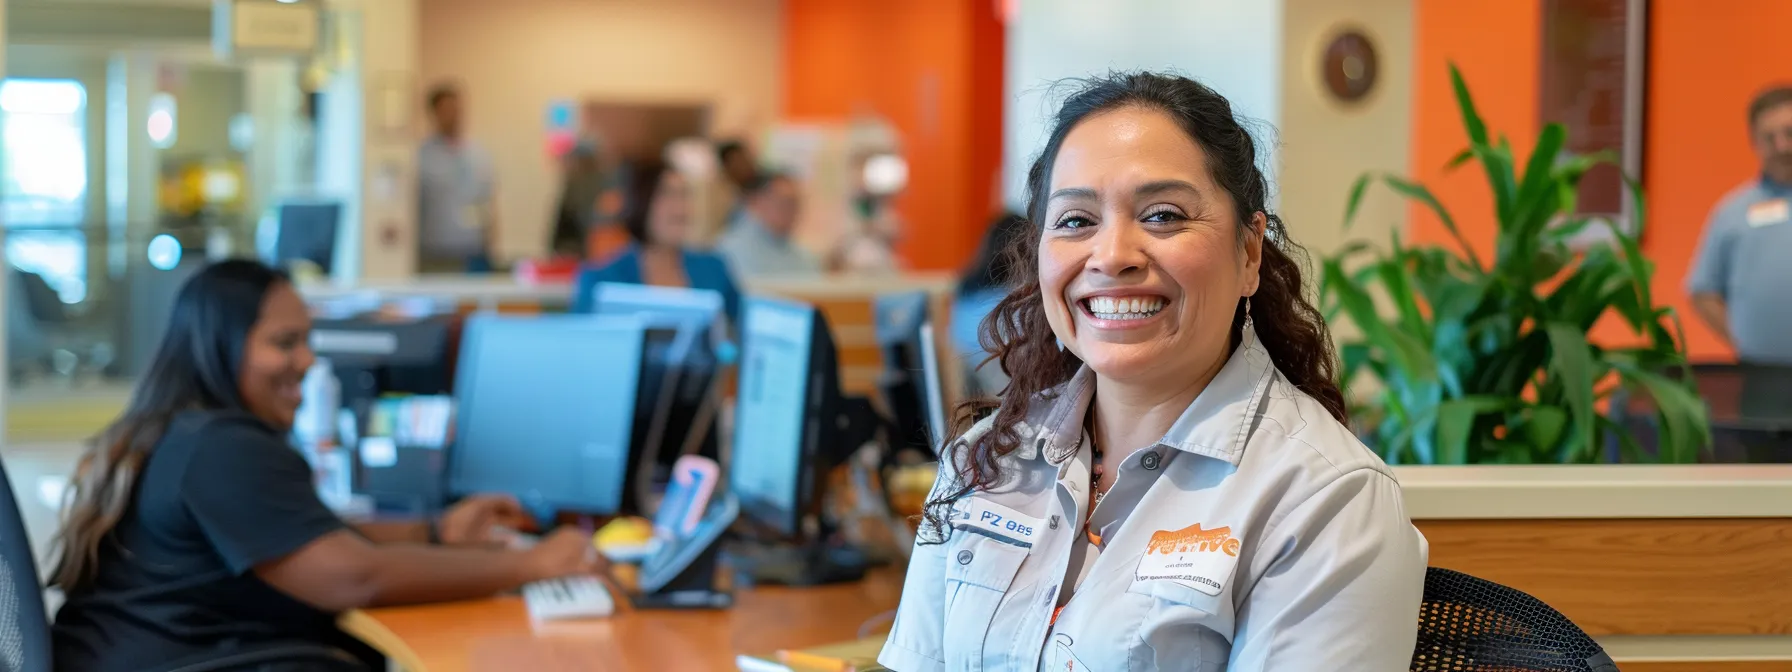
(1716, 576)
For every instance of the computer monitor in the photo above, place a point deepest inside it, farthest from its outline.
(679, 399)
(307, 231)
(373, 357)
(776, 419)
(910, 382)
(546, 410)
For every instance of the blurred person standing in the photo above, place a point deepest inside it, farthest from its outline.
(456, 213)
(582, 183)
(1740, 282)
(758, 241)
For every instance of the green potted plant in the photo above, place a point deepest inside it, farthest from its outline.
(1487, 361)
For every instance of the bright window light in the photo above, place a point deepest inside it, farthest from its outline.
(43, 125)
(42, 96)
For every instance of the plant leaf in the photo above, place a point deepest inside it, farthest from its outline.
(1356, 199)
(1418, 192)
(1471, 120)
(1456, 420)
(1572, 359)
(1685, 425)
(1460, 158)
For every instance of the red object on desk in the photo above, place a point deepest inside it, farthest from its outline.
(554, 271)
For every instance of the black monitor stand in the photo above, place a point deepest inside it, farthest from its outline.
(685, 573)
(819, 557)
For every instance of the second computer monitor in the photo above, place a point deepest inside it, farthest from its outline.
(546, 409)
(773, 418)
(911, 382)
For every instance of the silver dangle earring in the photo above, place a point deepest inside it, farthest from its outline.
(1247, 312)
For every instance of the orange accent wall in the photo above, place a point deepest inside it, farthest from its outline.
(932, 68)
(1706, 60)
(1497, 46)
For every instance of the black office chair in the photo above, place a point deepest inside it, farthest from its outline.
(25, 625)
(1471, 625)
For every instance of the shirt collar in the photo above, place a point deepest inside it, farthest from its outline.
(1769, 185)
(1216, 424)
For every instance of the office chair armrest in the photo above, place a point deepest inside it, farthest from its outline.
(317, 656)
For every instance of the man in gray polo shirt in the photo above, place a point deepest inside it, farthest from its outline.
(1741, 280)
(456, 221)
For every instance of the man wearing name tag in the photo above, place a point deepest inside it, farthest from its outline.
(1741, 280)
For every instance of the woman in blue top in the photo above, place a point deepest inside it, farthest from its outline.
(656, 214)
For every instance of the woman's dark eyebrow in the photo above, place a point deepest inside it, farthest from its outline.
(1161, 186)
(1072, 192)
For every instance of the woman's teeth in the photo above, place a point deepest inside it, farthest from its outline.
(1124, 308)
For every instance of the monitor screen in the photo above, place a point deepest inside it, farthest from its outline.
(612, 298)
(767, 462)
(307, 230)
(932, 390)
(546, 409)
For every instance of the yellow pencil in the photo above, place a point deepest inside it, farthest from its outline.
(809, 662)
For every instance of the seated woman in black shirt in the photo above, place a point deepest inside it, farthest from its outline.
(194, 529)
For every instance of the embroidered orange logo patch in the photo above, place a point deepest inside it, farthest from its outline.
(1193, 538)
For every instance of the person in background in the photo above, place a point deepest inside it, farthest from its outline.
(194, 529)
(1741, 283)
(758, 241)
(657, 217)
(456, 214)
(1174, 409)
(584, 182)
(738, 163)
(986, 280)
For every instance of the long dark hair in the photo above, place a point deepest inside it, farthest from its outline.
(1288, 325)
(195, 367)
(637, 205)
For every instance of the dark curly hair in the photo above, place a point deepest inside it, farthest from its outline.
(1287, 324)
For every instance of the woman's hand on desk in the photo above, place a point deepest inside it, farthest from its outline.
(566, 552)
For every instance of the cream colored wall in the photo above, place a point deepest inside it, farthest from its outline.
(513, 59)
(1327, 144)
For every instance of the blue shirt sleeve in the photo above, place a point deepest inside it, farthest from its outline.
(1711, 264)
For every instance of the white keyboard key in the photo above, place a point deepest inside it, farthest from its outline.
(571, 597)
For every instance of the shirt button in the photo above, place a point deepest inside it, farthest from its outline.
(1053, 523)
(964, 557)
(1149, 461)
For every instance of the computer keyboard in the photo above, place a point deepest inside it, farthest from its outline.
(571, 597)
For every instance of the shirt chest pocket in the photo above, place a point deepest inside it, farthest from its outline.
(979, 571)
(1183, 625)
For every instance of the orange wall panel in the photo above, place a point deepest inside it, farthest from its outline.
(1497, 45)
(926, 67)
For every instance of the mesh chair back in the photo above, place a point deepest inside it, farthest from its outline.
(24, 626)
(1470, 625)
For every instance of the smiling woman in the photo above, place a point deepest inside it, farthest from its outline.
(1172, 442)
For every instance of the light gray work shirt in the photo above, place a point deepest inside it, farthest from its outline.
(752, 250)
(1266, 537)
(1745, 257)
(454, 190)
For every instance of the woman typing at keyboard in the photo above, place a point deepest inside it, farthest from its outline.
(194, 533)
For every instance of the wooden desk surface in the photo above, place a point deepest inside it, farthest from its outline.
(496, 634)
